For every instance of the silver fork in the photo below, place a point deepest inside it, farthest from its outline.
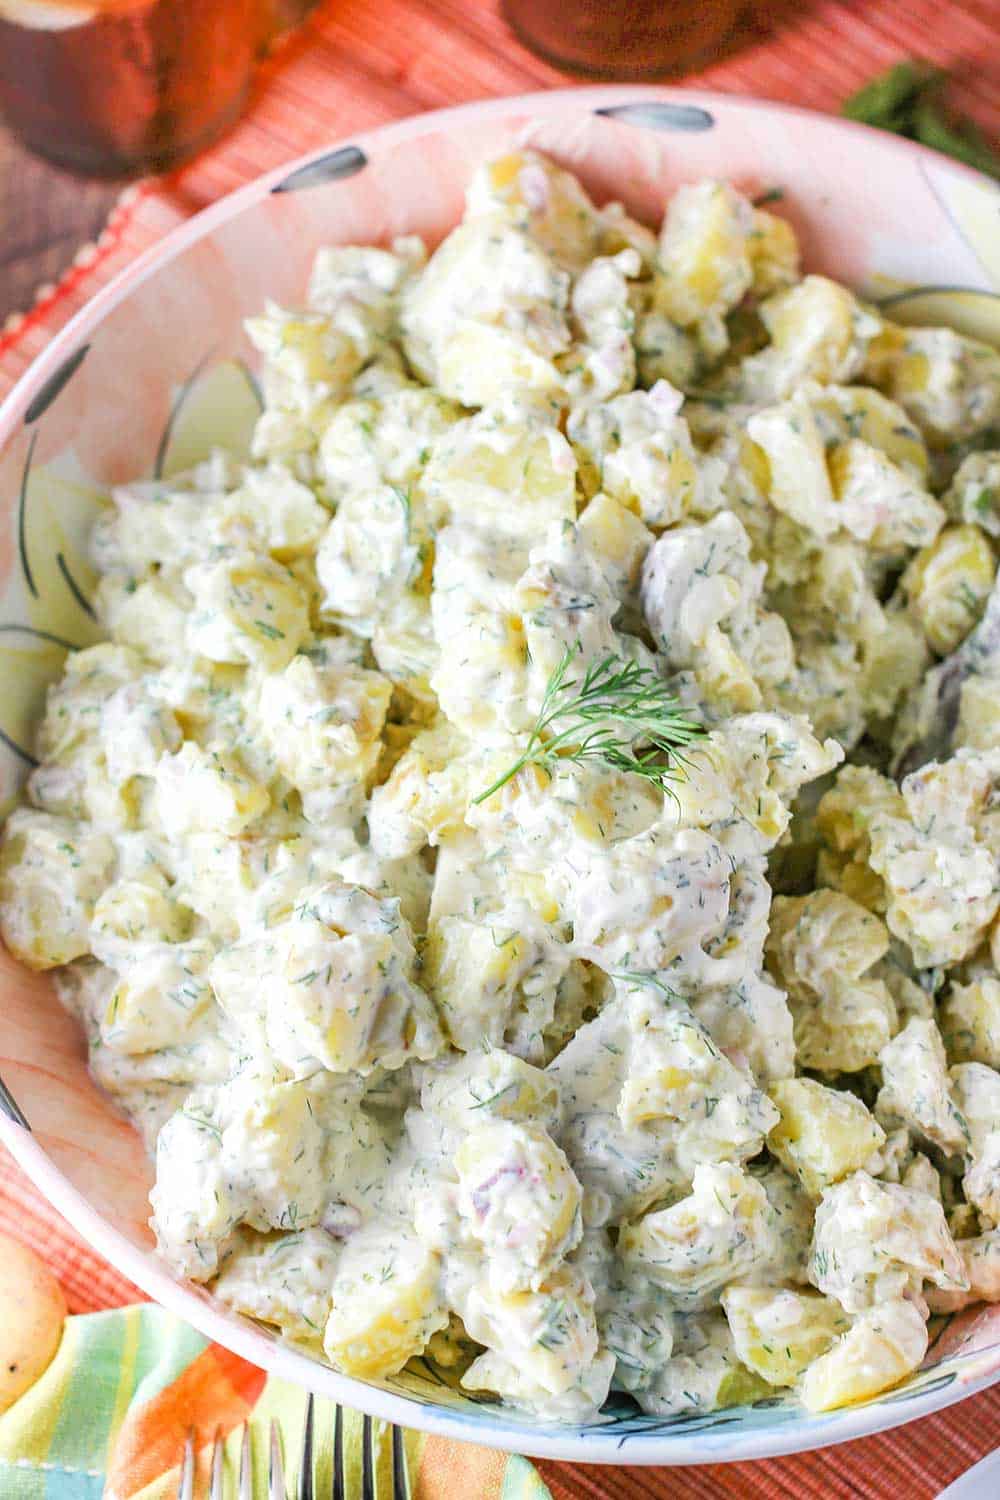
(276, 1488)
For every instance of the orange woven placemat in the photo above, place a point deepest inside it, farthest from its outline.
(360, 63)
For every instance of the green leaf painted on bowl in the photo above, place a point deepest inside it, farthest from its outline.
(32, 660)
(58, 513)
(974, 313)
(216, 407)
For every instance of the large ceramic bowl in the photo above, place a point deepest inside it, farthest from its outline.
(130, 388)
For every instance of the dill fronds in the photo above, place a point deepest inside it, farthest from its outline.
(618, 713)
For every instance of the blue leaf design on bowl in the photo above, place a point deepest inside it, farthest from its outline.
(17, 749)
(893, 1398)
(895, 299)
(657, 114)
(41, 635)
(74, 587)
(10, 1107)
(9, 645)
(40, 403)
(346, 161)
(22, 519)
(175, 410)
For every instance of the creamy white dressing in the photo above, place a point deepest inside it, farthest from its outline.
(540, 1081)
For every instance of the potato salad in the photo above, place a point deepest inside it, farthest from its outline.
(527, 853)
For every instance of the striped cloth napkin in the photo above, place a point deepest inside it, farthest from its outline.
(110, 1416)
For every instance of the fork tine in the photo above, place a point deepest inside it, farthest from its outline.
(338, 1490)
(306, 1470)
(216, 1483)
(400, 1477)
(276, 1469)
(367, 1477)
(185, 1485)
(245, 1490)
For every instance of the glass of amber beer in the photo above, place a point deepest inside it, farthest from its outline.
(117, 87)
(624, 38)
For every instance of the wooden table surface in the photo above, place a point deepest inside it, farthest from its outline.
(45, 216)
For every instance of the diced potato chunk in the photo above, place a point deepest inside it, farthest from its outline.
(915, 1086)
(713, 1236)
(136, 910)
(979, 714)
(203, 790)
(799, 484)
(823, 1133)
(885, 1345)
(51, 873)
(73, 706)
(542, 198)
(877, 1241)
(948, 584)
(385, 1303)
(518, 1200)
(496, 981)
(819, 331)
(981, 1260)
(384, 442)
(974, 492)
(879, 503)
(975, 1090)
(703, 1373)
(274, 512)
(844, 818)
(774, 253)
(618, 537)
(779, 1332)
(370, 552)
(333, 985)
(487, 316)
(939, 871)
(246, 609)
(284, 1281)
(948, 383)
(507, 469)
(857, 411)
(549, 1334)
(425, 796)
(490, 1085)
(158, 998)
(250, 1151)
(151, 614)
(970, 1021)
(323, 725)
(820, 948)
(704, 261)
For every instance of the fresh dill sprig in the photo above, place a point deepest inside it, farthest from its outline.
(618, 713)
